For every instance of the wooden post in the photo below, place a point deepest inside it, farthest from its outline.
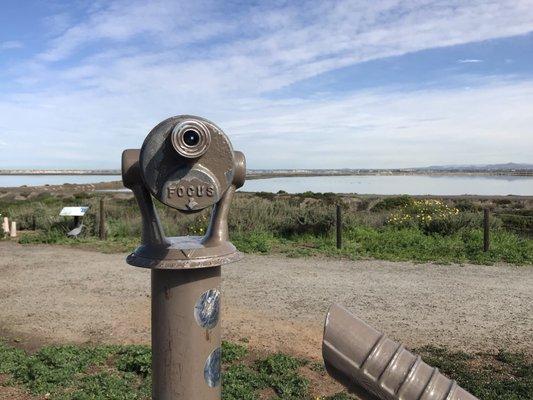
(101, 227)
(13, 231)
(5, 226)
(339, 226)
(486, 230)
(33, 223)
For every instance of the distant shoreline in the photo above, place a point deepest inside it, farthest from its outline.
(266, 174)
(391, 173)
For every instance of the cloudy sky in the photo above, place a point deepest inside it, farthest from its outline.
(296, 84)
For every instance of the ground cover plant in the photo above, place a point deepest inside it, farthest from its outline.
(123, 372)
(391, 228)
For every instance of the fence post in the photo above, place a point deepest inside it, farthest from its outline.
(13, 230)
(5, 226)
(486, 230)
(339, 226)
(101, 228)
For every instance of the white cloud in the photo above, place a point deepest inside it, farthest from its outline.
(11, 45)
(202, 58)
(488, 123)
(469, 61)
(293, 42)
(120, 21)
(383, 128)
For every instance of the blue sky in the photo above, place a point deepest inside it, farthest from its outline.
(299, 84)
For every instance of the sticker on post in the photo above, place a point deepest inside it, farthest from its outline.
(207, 309)
(212, 368)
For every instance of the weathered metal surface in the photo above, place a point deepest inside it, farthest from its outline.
(159, 170)
(180, 345)
(187, 177)
(138, 261)
(188, 164)
(191, 138)
(375, 366)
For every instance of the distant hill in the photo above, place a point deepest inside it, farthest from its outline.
(481, 167)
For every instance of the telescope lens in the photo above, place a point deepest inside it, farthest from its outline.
(191, 138)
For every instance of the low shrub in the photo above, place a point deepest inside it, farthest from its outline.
(392, 203)
(232, 352)
(254, 242)
(467, 205)
(135, 358)
(522, 224)
(500, 376)
(432, 216)
(280, 372)
(240, 382)
(56, 366)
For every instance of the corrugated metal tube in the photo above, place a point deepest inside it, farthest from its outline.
(360, 357)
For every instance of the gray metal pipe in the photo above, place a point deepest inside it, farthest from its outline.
(186, 334)
(371, 364)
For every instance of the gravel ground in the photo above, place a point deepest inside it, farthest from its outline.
(58, 294)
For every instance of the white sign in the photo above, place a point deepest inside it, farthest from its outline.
(73, 211)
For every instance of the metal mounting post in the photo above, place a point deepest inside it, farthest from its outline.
(188, 164)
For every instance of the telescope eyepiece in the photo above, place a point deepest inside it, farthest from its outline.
(190, 138)
(188, 163)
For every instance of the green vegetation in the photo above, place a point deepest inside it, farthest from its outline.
(501, 376)
(280, 372)
(124, 373)
(391, 228)
(232, 352)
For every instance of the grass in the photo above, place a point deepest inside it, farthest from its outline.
(391, 228)
(124, 373)
(500, 376)
(407, 244)
(111, 245)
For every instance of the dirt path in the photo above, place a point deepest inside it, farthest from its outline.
(58, 294)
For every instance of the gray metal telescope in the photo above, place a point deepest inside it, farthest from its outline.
(375, 367)
(188, 164)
